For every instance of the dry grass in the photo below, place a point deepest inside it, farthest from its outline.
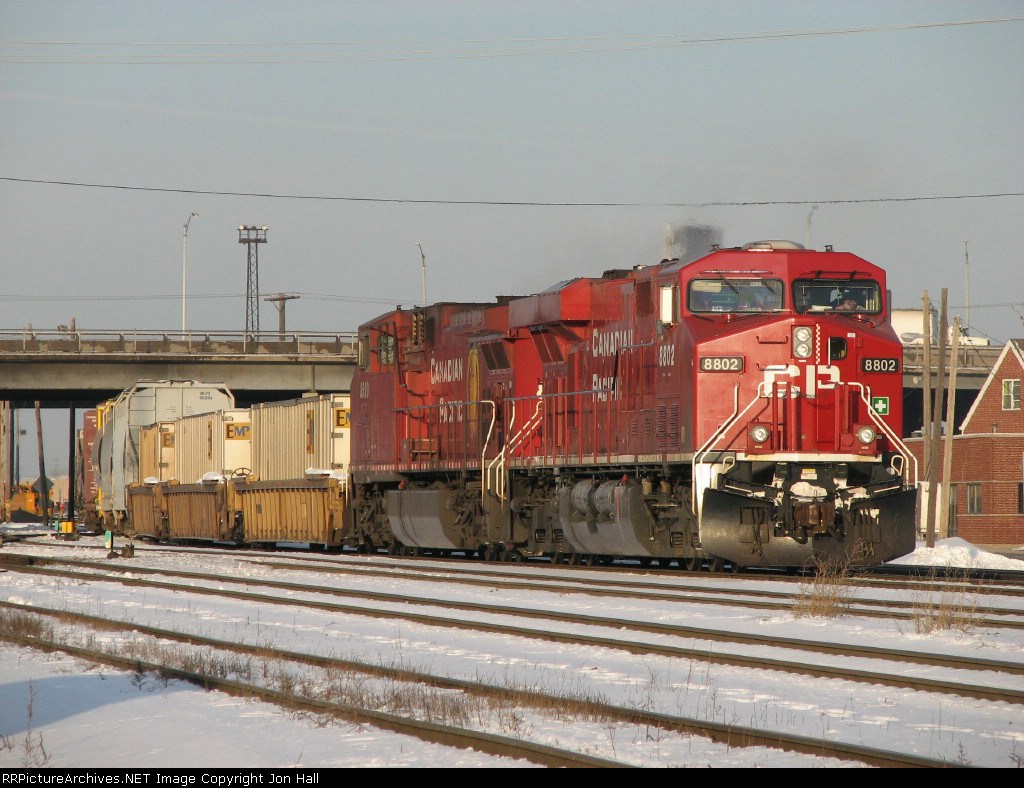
(26, 625)
(438, 705)
(828, 593)
(33, 749)
(953, 607)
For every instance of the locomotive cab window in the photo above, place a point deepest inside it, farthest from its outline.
(722, 294)
(364, 352)
(860, 297)
(668, 313)
(386, 349)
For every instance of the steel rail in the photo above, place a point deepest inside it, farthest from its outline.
(449, 736)
(630, 646)
(731, 735)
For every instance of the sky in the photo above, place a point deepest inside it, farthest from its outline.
(493, 148)
(89, 717)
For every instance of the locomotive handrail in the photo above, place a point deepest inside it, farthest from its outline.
(561, 395)
(724, 427)
(514, 442)
(483, 451)
(908, 458)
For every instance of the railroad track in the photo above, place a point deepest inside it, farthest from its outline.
(457, 613)
(504, 746)
(460, 615)
(765, 599)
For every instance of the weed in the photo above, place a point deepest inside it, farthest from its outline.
(33, 751)
(828, 593)
(955, 606)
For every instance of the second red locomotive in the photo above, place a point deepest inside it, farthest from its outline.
(743, 408)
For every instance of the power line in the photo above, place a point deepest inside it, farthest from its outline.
(513, 203)
(549, 46)
(309, 296)
(524, 40)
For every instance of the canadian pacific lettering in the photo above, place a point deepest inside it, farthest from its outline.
(608, 343)
(445, 370)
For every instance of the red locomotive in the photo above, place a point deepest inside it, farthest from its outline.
(744, 408)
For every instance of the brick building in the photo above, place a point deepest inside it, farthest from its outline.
(986, 498)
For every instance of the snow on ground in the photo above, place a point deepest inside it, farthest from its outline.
(59, 712)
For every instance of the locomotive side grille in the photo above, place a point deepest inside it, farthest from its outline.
(668, 427)
(677, 539)
(557, 536)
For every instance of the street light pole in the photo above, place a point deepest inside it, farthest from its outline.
(423, 257)
(184, 265)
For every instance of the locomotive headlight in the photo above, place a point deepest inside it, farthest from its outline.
(802, 336)
(759, 434)
(866, 435)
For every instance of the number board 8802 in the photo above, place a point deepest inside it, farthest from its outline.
(880, 365)
(721, 364)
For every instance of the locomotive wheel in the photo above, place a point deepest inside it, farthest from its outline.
(737, 569)
(692, 564)
(716, 564)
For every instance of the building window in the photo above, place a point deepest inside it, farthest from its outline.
(974, 498)
(1020, 497)
(1011, 394)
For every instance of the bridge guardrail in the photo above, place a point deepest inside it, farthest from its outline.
(206, 343)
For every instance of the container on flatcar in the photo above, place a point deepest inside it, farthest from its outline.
(213, 443)
(146, 402)
(292, 436)
(310, 510)
(146, 510)
(156, 452)
(210, 449)
(297, 491)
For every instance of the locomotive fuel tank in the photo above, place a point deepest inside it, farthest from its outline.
(606, 518)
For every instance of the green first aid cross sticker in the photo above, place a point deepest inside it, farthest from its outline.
(880, 405)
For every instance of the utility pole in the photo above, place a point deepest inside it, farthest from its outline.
(926, 423)
(43, 488)
(252, 236)
(69, 512)
(936, 436)
(279, 301)
(184, 265)
(967, 289)
(947, 446)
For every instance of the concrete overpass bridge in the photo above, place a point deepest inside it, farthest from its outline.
(81, 369)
